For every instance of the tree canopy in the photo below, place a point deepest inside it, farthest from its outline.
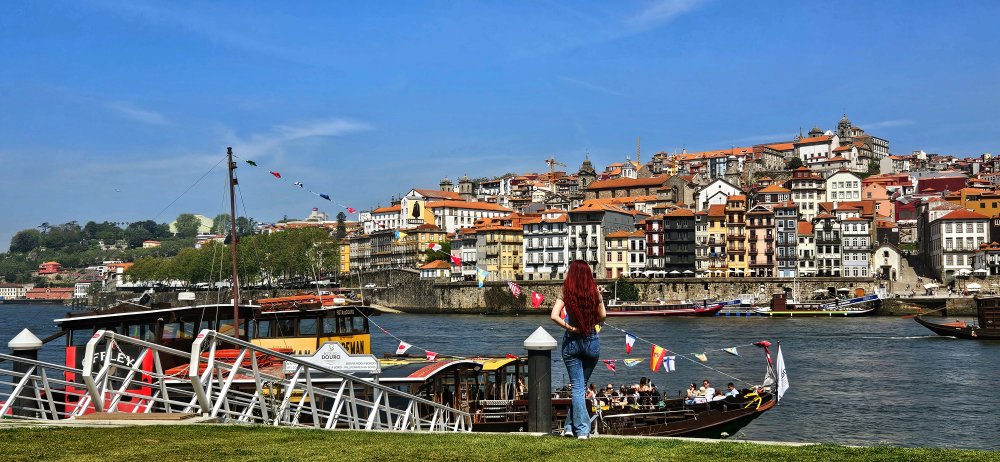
(187, 225)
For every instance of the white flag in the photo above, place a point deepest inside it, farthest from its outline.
(782, 376)
(668, 363)
(403, 346)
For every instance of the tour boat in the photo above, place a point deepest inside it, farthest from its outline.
(493, 390)
(782, 306)
(987, 327)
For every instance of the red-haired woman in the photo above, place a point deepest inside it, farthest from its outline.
(581, 346)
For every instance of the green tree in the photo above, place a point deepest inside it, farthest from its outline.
(187, 225)
(793, 163)
(341, 225)
(623, 289)
(873, 168)
(443, 254)
(245, 226)
(25, 241)
(221, 224)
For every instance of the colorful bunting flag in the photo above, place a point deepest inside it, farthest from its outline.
(514, 289)
(629, 341)
(481, 275)
(399, 234)
(351, 210)
(668, 364)
(299, 184)
(610, 363)
(276, 174)
(324, 196)
(656, 357)
(456, 261)
(732, 351)
(435, 247)
(431, 356)
(536, 299)
(403, 346)
(631, 362)
(701, 357)
(251, 162)
(511, 356)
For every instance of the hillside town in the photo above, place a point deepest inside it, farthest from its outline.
(826, 203)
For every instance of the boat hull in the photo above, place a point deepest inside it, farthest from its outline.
(817, 313)
(652, 311)
(963, 332)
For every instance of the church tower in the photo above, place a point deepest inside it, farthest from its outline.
(446, 185)
(465, 188)
(586, 175)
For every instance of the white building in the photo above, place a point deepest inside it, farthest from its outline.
(954, 241)
(843, 186)
(12, 291)
(806, 249)
(545, 246)
(451, 215)
(817, 147)
(855, 242)
(887, 262)
(808, 190)
(716, 192)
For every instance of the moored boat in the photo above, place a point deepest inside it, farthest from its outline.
(986, 328)
(618, 308)
(782, 306)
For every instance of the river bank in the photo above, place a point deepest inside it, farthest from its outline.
(246, 443)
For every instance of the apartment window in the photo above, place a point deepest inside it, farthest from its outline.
(979, 227)
(968, 228)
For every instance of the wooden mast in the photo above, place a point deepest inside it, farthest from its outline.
(233, 239)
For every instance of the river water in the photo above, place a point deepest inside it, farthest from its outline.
(865, 381)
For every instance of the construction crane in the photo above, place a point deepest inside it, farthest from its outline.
(552, 171)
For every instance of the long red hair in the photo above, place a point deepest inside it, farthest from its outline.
(581, 297)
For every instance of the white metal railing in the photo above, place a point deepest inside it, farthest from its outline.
(237, 381)
(36, 390)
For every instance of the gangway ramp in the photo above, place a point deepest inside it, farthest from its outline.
(222, 377)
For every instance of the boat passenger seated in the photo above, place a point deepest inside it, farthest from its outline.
(719, 396)
(692, 393)
(731, 390)
(709, 391)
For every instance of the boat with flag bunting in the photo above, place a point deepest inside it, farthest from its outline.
(493, 390)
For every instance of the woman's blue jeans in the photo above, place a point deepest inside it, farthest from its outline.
(580, 355)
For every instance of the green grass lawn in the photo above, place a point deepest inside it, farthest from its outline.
(244, 443)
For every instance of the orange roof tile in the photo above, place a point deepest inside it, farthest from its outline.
(391, 208)
(716, 210)
(681, 213)
(815, 139)
(438, 194)
(781, 146)
(804, 227)
(964, 214)
(620, 183)
(774, 188)
(468, 205)
(437, 264)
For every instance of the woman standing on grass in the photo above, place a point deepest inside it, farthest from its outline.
(581, 346)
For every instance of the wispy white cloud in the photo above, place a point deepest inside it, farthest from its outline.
(596, 26)
(661, 12)
(888, 124)
(207, 26)
(273, 141)
(130, 111)
(592, 86)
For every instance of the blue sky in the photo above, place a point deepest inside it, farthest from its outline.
(109, 110)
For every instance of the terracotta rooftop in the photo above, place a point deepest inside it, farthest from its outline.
(964, 214)
(468, 205)
(619, 183)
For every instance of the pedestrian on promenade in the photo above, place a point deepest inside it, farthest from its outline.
(581, 346)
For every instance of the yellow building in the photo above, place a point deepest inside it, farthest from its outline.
(409, 250)
(717, 262)
(498, 251)
(736, 236)
(344, 246)
(616, 253)
(978, 200)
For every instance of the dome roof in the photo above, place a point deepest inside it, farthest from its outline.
(844, 120)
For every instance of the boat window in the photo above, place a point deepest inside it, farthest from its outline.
(307, 326)
(226, 327)
(263, 328)
(206, 324)
(283, 327)
(149, 332)
(330, 325)
(171, 331)
(134, 330)
(187, 330)
(80, 337)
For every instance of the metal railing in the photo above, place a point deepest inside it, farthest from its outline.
(220, 377)
(36, 390)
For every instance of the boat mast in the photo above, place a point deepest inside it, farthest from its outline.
(233, 239)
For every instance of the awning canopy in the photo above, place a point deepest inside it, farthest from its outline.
(973, 287)
(931, 286)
